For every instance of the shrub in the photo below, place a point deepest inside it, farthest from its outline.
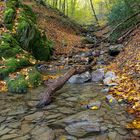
(120, 11)
(9, 47)
(9, 15)
(17, 85)
(34, 78)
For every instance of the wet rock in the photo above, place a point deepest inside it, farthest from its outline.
(16, 112)
(111, 100)
(14, 124)
(121, 131)
(34, 116)
(94, 104)
(109, 79)
(87, 54)
(80, 78)
(26, 137)
(104, 128)
(67, 138)
(89, 138)
(71, 99)
(136, 132)
(112, 135)
(4, 131)
(80, 129)
(2, 119)
(98, 75)
(102, 137)
(42, 132)
(105, 90)
(65, 110)
(54, 116)
(26, 128)
(32, 103)
(9, 136)
(115, 49)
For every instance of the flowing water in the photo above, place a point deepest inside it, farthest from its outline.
(66, 118)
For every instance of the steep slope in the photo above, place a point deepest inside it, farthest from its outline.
(127, 67)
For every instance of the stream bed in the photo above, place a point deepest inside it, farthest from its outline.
(66, 118)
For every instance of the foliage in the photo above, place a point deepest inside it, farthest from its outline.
(11, 65)
(120, 11)
(9, 47)
(30, 37)
(12, 3)
(17, 85)
(34, 78)
(9, 15)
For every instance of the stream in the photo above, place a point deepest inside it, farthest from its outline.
(66, 118)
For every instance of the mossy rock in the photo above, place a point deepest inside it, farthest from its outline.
(17, 85)
(34, 78)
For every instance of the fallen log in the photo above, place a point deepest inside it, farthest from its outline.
(46, 96)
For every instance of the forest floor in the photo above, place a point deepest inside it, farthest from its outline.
(68, 117)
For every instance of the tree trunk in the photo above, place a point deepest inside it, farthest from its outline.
(91, 3)
(59, 83)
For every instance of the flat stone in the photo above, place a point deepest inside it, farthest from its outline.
(26, 137)
(32, 103)
(42, 132)
(14, 124)
(87, 115)
(5, 131)
(136, 132)
(65, 110)
(26, 128)
(80, 129)
(63, 137)
(17, 112)
(54, 116)
(71, 99)
(111, 100)
(9, 136)
(94, 104)
(102, 137)
(112, 135)
(35, 116)
(121, 131)
(2, 119)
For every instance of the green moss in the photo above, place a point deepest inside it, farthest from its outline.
(9, 47)
(17, 85)
(12, 3)
(34, 78)
(11, 65)
(30, 37)
(9, 16)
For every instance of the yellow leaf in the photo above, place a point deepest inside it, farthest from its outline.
(94, 108)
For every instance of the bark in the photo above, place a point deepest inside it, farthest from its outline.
(91, 3)
(46, 97)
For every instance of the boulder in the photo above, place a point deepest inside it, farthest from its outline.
(115, 49)
(97, 75)
(80, 78)
(109, 79)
